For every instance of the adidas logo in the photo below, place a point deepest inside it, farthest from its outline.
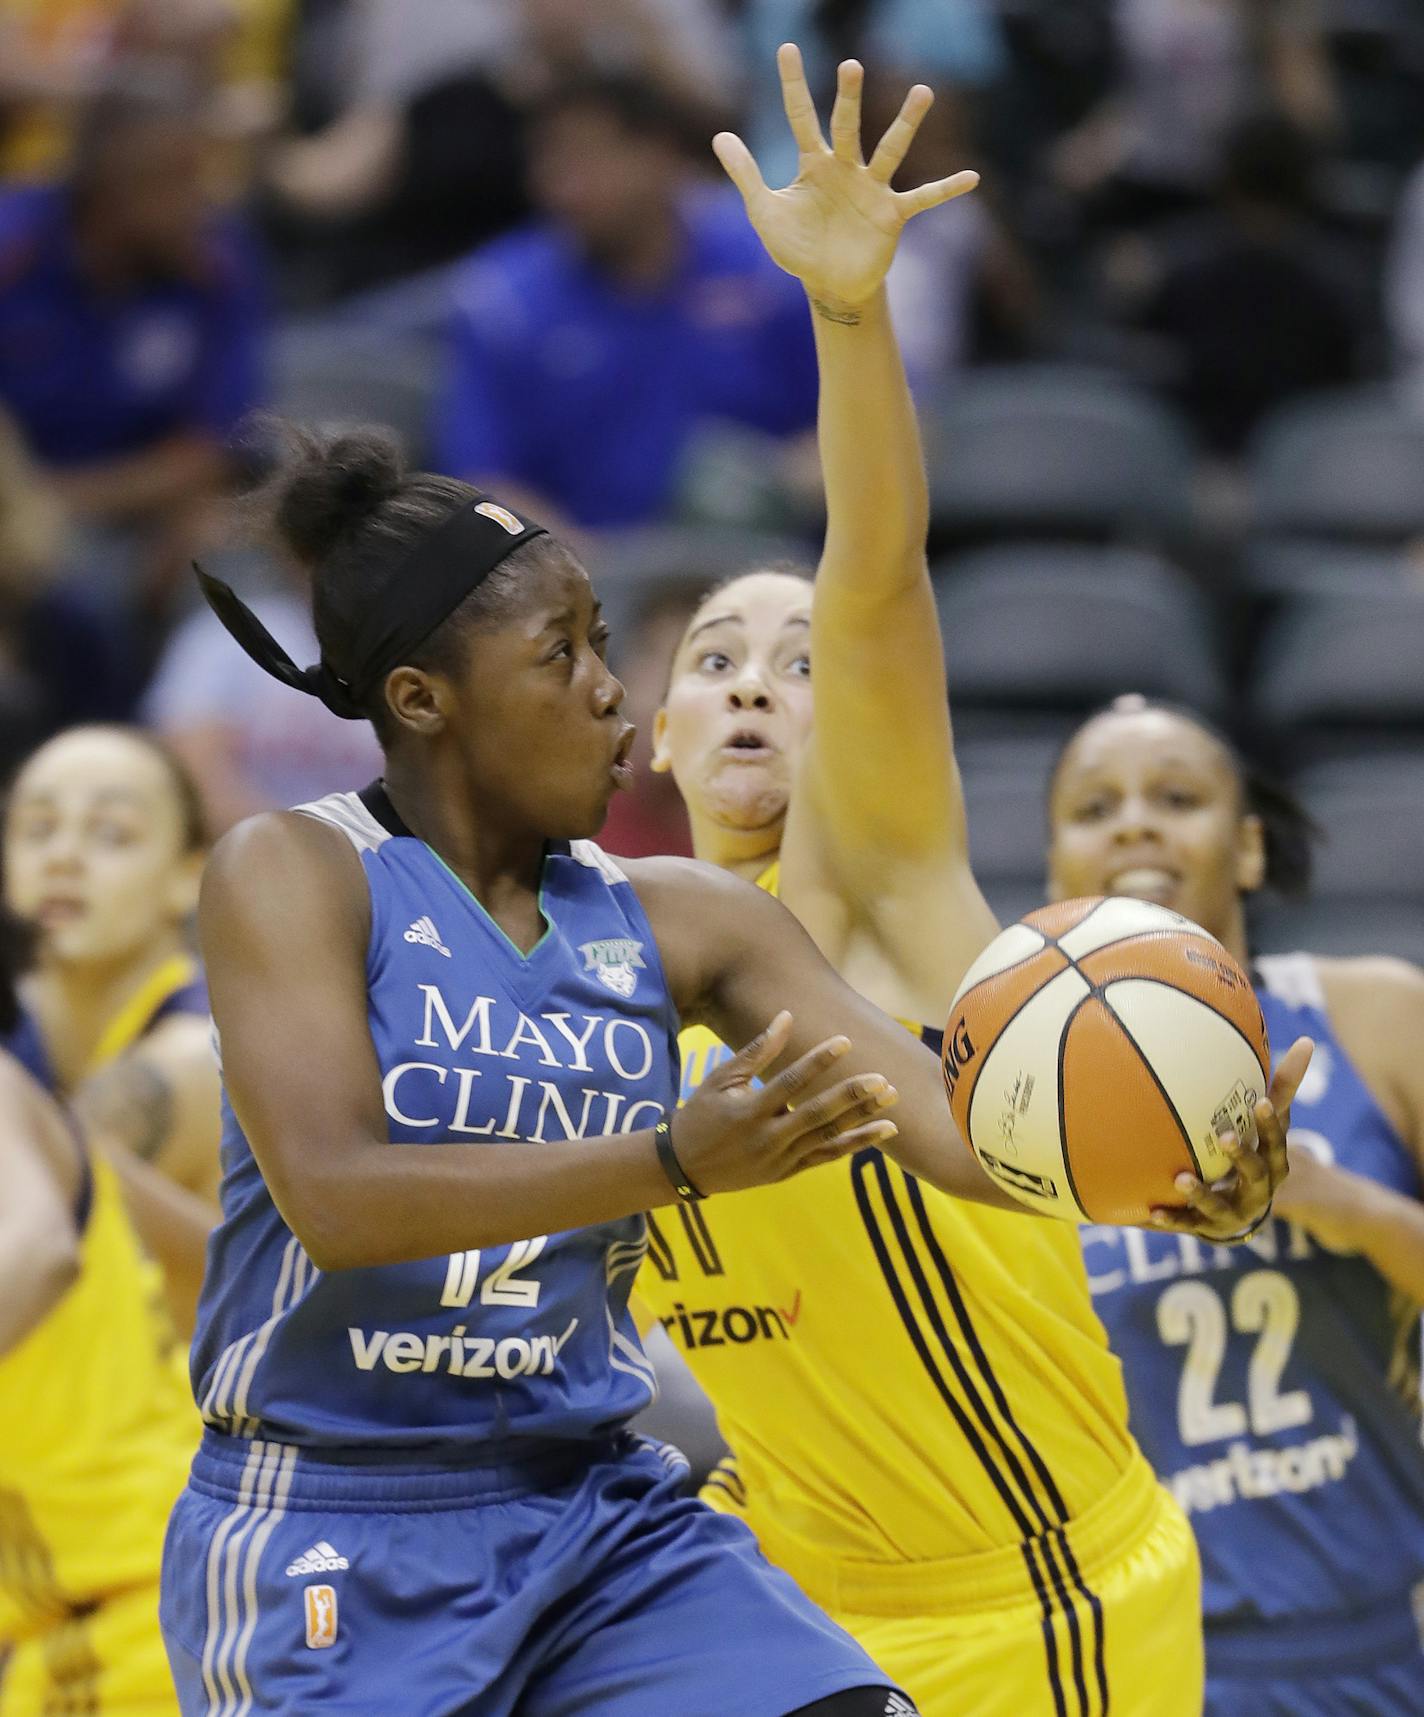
(424, 932)
(320, 1559)
(898, 1706)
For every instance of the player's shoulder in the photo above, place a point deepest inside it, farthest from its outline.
(281, 849)
(1377, 987)
(687, 882)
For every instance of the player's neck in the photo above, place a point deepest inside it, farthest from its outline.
(499, 863)
(744, 852)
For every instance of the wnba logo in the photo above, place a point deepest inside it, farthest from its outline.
(321, 1616)
(958, 1053)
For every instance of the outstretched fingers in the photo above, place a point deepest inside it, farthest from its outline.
(894, 146)
(739, 164)
(845, 115)
(936, 192)
(796, 96)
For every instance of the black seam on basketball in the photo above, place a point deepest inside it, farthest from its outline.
(1003, 1027)
(1070, 1611)
(1072, 929)
(1064, 1155)
(663, 1257)
(1167, 984)
(1099, 1622)
(1003, 971)
(1101, 990)
(1162, 1089)
(859, 1164)
(1055, 1681)
(976, 1347)
(936, 1323)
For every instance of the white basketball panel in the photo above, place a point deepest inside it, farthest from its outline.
(1013, 1112)
(1119, 917)
(1010, 947)
(1207, 1068)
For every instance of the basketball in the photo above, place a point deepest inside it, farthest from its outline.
(1094, 1051)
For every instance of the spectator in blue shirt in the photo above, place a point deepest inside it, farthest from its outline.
(588, 345)
(130, 320)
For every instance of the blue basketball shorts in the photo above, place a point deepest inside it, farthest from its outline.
(587, 1587)
(1371, 1662)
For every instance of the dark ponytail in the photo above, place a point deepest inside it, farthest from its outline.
(347, 509)
(1288, 832)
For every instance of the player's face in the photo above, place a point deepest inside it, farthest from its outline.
(94, 848)
(738, 709)
(1147, 804)
(538, 713)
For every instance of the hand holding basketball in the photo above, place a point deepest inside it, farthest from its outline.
(1225, 1209)
(836, 226)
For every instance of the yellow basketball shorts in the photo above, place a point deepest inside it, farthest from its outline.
(1119, 1631)
(105, 1662)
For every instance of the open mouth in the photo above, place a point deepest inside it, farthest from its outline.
(747, 743)
(59, 910)
(622, 765)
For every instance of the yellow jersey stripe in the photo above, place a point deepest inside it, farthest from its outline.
(132, 1019)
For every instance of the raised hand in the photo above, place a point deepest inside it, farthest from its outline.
(735, 1132)
(1241, 1202)
(835, 227)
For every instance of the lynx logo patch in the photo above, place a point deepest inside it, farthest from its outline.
(615, 962)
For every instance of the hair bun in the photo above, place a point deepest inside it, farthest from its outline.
(328, 484)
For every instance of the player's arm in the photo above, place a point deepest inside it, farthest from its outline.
(172, 1224)
(733, 952)
(1378, 1006)
(161, 1102)
(877, 814)
(39, 1245)
(284, 919)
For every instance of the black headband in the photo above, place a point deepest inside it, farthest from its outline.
(424, 588)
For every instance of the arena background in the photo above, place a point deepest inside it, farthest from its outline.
(1169, 361)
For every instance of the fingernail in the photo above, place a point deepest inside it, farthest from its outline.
(1185, 1183)
(1228, 1142)
(839, 1045)
(885, 1129)
(888, 1097)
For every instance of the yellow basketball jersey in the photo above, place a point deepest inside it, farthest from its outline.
(96, 1432)
(903, 1378)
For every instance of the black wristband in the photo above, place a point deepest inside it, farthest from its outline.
(672, 1168)
(1246, 1233)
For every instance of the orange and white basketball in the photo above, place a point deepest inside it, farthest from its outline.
(1095, 1050)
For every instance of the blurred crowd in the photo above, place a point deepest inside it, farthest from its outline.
(1166, 356)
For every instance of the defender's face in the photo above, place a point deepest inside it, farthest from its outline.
(94, 848)
(738, 709)
(1146, 804)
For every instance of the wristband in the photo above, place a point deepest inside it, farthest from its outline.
(672, 1168)
(1246, 1233)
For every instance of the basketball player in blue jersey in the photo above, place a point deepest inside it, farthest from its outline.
(1275, 1387)
(447, 1024)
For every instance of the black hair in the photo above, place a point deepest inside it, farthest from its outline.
(1288, 832)
(348, 509)
(637, 105)
(18, 939)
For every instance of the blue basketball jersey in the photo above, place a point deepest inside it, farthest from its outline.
(485, 1354)
(1274, 1386)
